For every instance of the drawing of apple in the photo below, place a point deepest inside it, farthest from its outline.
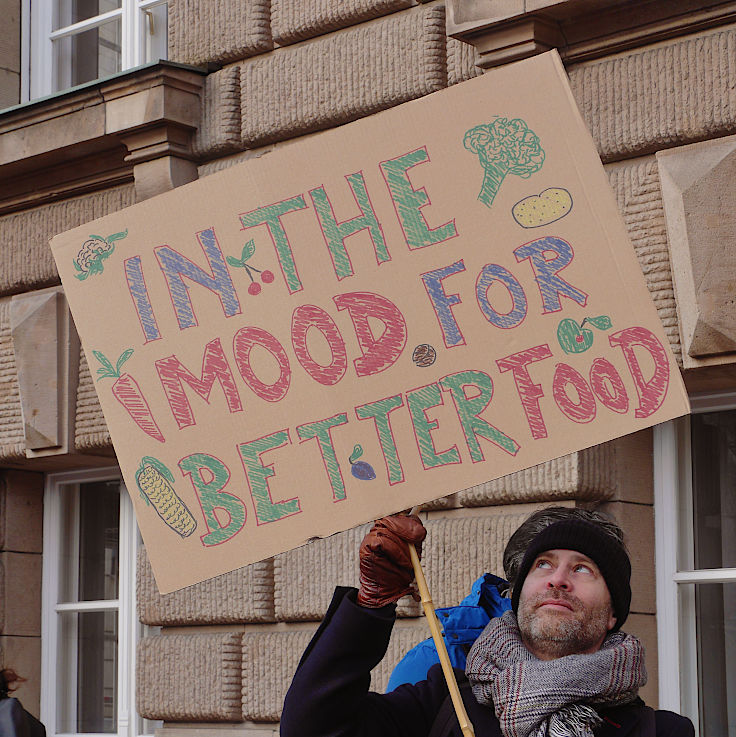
(574, 338)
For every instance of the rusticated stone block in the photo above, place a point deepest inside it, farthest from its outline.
(700, 207)
(242, 595)
(21, 511)
(461, 58)
(644, 626)
(639, 194)
(20, 594)
(637, 522)
(90, 430)
(219, 127)
(293, 20)
(585, 475)
(9, 88)
(458, 549)
(33, 265)
(222, 31)
(23, 654)
(189, 678)
(46, 349)
(343, 76)
(12, 439)
(304, 578)
(634, 467)
(675, 92)
(270, 660)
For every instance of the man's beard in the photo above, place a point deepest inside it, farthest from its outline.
(557, 635)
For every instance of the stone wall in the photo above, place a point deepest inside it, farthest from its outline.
(286, 68)
(327, 66)
(21, 545)
(10, 53)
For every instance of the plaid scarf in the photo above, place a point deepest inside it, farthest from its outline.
(551, 698)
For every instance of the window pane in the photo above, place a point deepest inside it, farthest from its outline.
(715, 606)
(88, 55)
(74, 11)
(88, 647)
(714, 479)
(90, 543)
(154, 23)
(99, 516)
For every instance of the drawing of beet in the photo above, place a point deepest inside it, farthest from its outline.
(360, 469)
(240, 263)
(503, 147)
(156, 485)
(424, 355)
(93, 252)
(574, 338)
(129, 394)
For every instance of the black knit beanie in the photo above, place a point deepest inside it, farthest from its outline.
(592, 540)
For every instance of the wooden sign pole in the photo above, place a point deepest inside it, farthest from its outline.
(439, 641)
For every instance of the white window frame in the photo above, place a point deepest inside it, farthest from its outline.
(38, 36)
(673, 525)
(129, 629)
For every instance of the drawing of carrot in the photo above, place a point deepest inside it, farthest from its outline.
(155, 482)
(129, 394)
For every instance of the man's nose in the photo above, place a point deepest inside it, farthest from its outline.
(559, 580)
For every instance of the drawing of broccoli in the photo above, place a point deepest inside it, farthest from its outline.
(503, 147)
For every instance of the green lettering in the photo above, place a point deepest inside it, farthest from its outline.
(321, 431)
(378, 412)
(409, 201)
(469, 408)
(419, 401)
(212, 497)
(258, 474)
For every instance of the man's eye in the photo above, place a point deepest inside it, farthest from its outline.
(543, 564)
(582, 568)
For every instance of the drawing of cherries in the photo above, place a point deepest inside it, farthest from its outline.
(266, 276)
(360, 469)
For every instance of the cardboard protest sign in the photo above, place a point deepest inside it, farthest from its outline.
(365, 320)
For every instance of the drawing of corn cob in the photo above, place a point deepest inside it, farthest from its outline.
(156, 485)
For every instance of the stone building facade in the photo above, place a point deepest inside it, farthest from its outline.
(656, 83)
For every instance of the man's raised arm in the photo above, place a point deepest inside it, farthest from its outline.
(329, 696)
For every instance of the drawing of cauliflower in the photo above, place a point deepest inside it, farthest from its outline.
(93, 252)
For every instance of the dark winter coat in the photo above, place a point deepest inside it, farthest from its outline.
(330, 697)
(15, 721)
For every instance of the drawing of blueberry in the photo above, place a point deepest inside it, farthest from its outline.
(360, 469)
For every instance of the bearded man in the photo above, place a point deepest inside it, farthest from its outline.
(557, 664)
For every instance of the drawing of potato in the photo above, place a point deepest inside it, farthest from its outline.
(546, 207)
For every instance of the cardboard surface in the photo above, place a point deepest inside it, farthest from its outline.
(368, 319)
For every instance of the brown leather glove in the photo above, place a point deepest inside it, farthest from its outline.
(386, 573)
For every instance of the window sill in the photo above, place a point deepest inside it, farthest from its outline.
(92, 136)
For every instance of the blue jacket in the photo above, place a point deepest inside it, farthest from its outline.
(461, 625)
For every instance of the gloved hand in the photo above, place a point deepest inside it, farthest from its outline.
(386, 573)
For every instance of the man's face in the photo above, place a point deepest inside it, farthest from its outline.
(564, 606)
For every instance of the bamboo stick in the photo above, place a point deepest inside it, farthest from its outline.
(439, 641)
